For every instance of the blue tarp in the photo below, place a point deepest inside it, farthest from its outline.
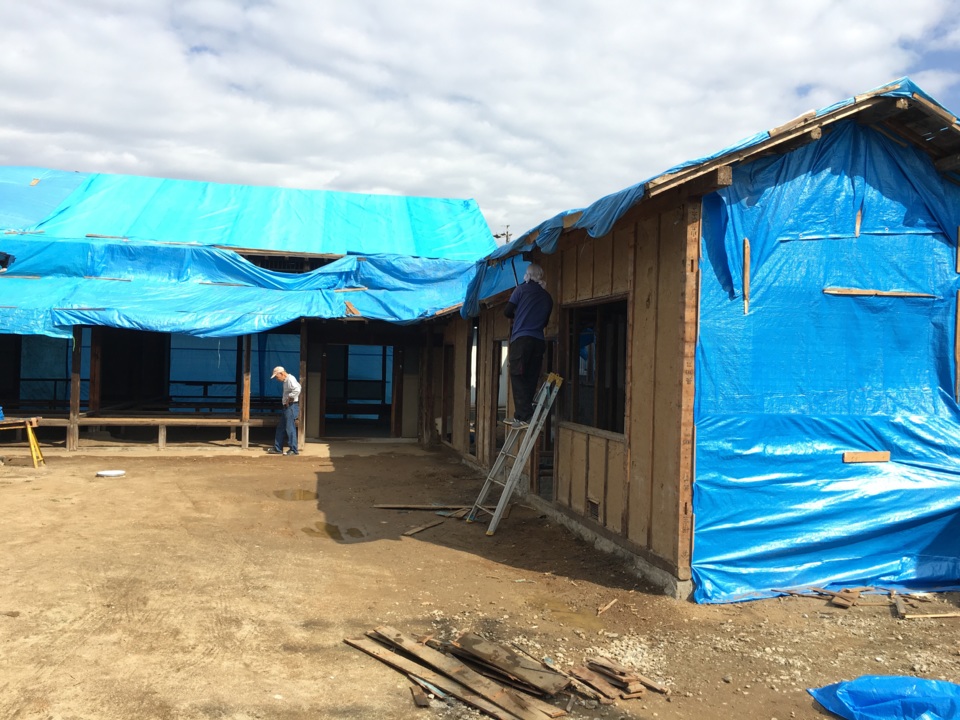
(599, 217)
(154, 254)
(784, 391)
(891, 697)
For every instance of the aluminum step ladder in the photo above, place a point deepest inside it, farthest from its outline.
(527, 434)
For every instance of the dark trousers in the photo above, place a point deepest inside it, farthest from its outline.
(287, 429)
(526, 360)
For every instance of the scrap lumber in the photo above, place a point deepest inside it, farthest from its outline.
(928, 616)
(628, 676)
(511, 664)
(451, 687)
(432, 689)
(602, 610)
(509, 700)
(427, 526)
(577, 685)
(596, 681)
(420, 698)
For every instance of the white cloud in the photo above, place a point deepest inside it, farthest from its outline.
(529, 107)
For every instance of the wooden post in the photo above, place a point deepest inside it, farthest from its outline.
(304, 348)
(396, 396)
(691, 309)
(162, 437)
(322, 404)
(245, 398)
(73, 429)
(96, 356)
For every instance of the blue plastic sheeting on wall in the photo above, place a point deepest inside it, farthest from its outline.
(265, 218)
(891, 697)
(784, 390)
(208, 292)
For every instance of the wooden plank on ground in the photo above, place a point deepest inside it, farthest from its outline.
(427, 526)
(451, 687)
(596, 681)
(455, 670)
(511, 663)
(628, 674)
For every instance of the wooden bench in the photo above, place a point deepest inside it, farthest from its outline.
(161, 422)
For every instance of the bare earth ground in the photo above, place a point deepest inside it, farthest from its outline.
(202, 585)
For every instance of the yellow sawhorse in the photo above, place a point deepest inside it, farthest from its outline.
(27, 424)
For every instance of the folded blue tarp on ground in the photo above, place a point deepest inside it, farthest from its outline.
(891, 697)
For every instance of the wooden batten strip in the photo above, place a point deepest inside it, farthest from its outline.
(97, 277)
(352, 289)
(860, 292)
(877, 456)
(35, 181)
(859, 221)
(958, 249)
(351, 310)
(746, 276)
(106, 237)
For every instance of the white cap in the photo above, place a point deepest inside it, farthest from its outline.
(276, 371)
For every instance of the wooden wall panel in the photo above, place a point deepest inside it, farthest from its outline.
(501, 323)
(460, 435)
(643, 379)
(602, 265)
(564, 446)
(552, 270)
(578, 471)
(584, 271)
(568, 275)
(614, 506)
(622, 240)
(597, 473)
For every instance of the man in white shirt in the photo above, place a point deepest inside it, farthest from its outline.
(287, 427)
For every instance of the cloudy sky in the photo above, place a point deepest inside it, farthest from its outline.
(529, 107)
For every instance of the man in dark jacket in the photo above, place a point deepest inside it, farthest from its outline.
(529, 307)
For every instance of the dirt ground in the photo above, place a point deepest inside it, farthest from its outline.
(219, 583)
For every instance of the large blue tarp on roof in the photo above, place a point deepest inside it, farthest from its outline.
(155, 254)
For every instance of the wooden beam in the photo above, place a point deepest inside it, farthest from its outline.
(96, 358)
(936, 109)
(681, 176)
(73, 433)
(302, 421)
(949, 163)
(859, 292)
(746, 276)
(857, 223)
(396, 399)
(322, 404)
(867, 456)
(690, 297)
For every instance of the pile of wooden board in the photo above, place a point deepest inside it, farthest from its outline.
(499, 681)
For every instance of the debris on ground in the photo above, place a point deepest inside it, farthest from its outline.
(498, 681)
